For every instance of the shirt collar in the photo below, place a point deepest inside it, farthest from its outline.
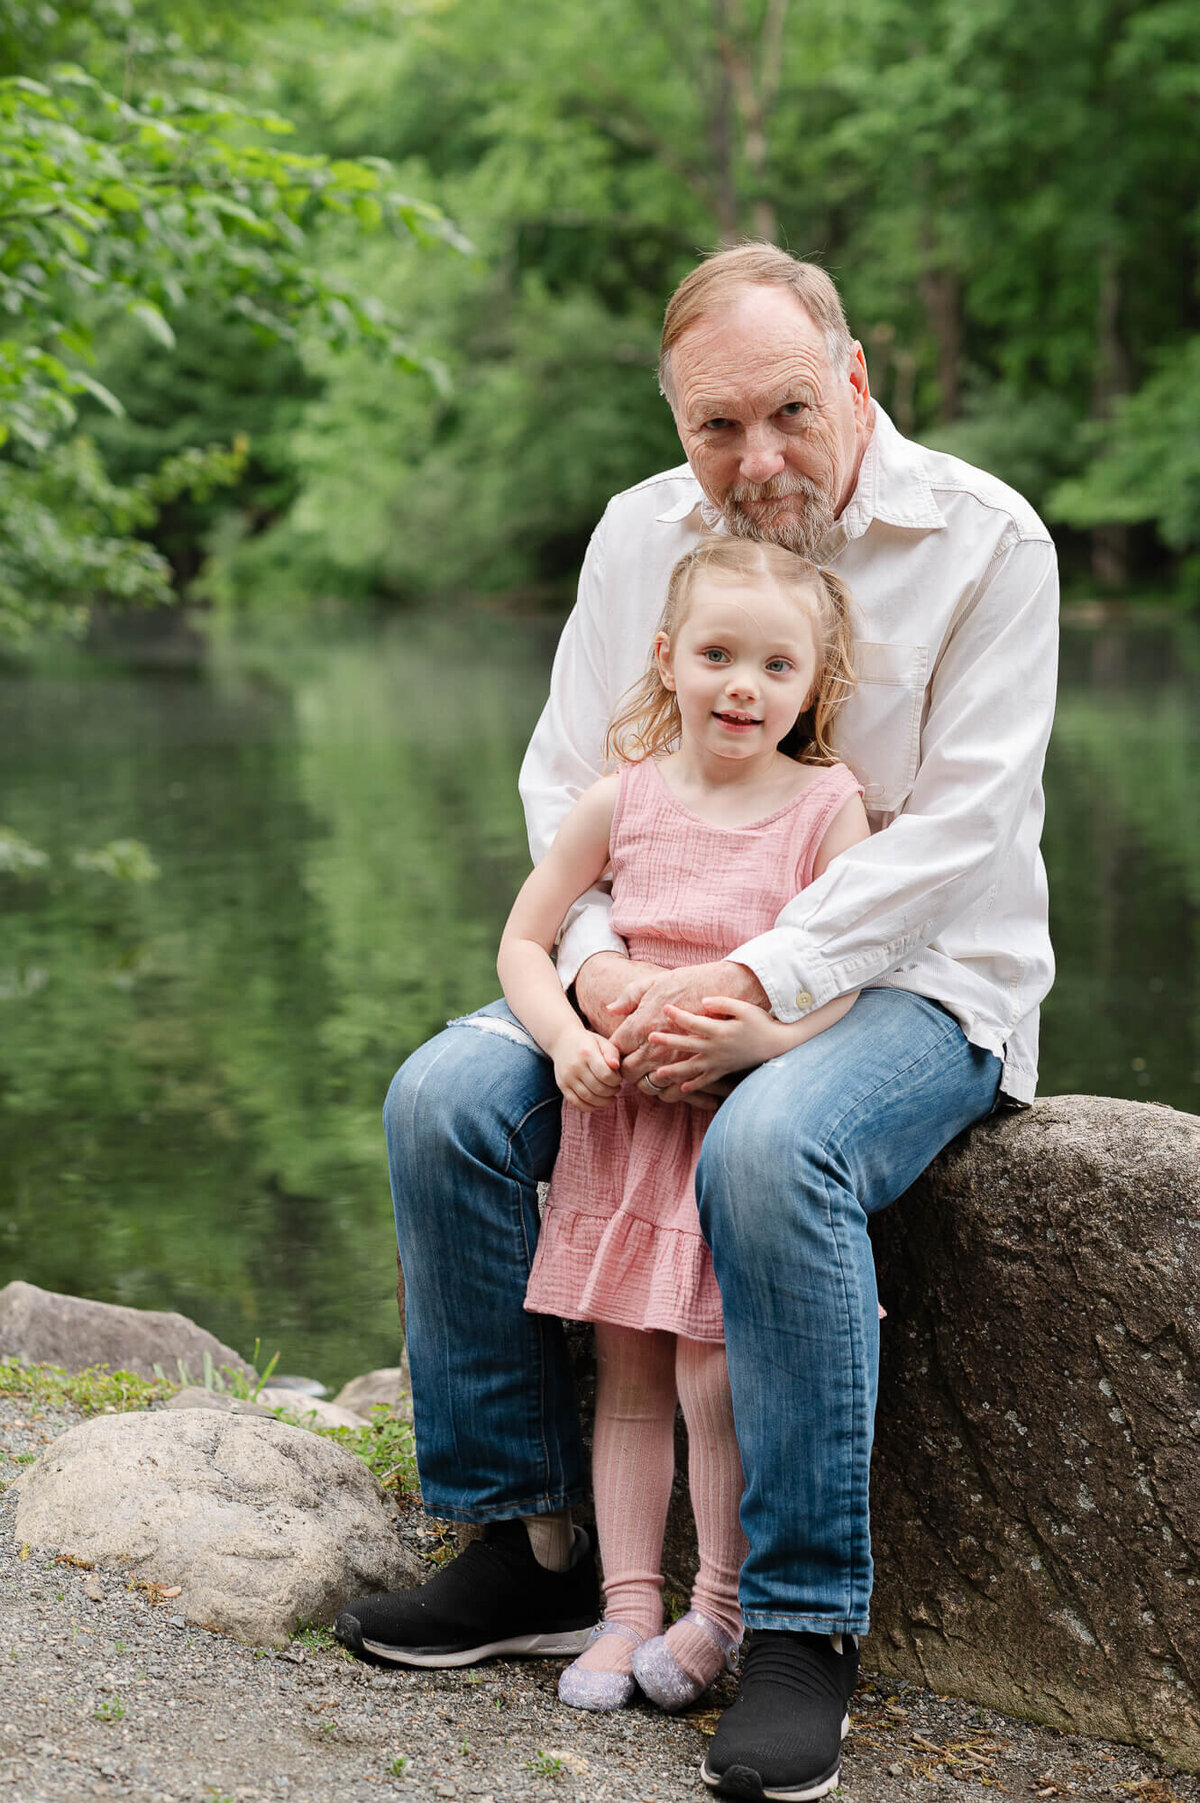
(892, 484)
(892, 487)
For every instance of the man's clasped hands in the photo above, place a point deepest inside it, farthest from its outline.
(678, 1033)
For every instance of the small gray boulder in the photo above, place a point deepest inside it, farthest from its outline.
(388, 1387)
(44, 1328)
(219, 1401)
(309, 1411)
(262, 1525)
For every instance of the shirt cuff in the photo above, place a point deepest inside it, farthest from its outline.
(590, 932)
(791, 970)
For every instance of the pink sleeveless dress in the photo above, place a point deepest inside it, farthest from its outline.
(620, 1238)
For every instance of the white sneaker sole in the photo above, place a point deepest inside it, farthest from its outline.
(523, 1646)
(802, 1793)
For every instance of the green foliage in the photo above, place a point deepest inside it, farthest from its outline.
(1003, 195)
(125, 860)
(1147, 462)
(386, 1446)
(107, 205)
(18, 857)
(96, 1391)
(315, 1637)
(131, 207)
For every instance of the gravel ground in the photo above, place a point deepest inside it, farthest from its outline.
(104, 1692)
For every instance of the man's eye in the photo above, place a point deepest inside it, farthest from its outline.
(794, 409)
(714, 425)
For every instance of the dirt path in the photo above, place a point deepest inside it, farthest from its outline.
(105, 1693)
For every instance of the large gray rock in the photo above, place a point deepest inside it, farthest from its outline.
(262, 1525)
(1035, 1492)
(1036, 1485)
(44, 1328)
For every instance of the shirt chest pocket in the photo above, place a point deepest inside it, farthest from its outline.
(879, 729)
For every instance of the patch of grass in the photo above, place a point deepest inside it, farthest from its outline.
(546, 1765)
(399, 1765)
(111, 1709)
(385, 1446)
(314, 1637)
(97, 1391)
(225, 1380)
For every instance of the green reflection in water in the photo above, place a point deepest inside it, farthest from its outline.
(191, 1070)
(1123, 854)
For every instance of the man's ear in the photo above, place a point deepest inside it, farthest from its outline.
(662, 657)
(859, 380)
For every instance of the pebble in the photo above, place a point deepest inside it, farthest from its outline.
(60, 1653)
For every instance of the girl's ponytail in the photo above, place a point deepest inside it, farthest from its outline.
(811, 739)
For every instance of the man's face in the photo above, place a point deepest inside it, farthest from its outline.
(774, 436)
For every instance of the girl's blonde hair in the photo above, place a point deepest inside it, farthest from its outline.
(646, 723)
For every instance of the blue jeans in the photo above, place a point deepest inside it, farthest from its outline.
(794, 1163)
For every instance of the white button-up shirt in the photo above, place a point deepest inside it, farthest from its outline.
(955, 585)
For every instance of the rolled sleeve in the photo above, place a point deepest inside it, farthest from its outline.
(989, 709)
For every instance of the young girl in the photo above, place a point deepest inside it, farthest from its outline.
(710, 827)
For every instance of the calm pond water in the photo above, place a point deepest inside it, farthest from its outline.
(191, 1067)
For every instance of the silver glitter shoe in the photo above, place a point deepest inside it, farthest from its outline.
(599, 1690)
(660, 1674)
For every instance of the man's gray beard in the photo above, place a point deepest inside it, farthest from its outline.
(800, 530)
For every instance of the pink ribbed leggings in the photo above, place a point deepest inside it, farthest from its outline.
(639, 1378)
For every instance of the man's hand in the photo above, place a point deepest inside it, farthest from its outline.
(609, 987)
(685, 988)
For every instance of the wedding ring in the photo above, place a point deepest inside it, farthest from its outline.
(658, 1088)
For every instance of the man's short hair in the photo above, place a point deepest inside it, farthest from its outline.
(716, 281)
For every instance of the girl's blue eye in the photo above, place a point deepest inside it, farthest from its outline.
(778, 666)
(714, 655)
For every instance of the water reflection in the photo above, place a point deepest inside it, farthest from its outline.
(191, 1069)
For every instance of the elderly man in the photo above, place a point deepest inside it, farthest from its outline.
(939, 919)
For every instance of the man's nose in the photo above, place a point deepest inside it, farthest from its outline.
(762, 456)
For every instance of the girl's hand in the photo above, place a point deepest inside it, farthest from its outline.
(630, 997)
(587, 1068)
(729, 1036)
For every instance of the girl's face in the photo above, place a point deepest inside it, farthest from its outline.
(742, 664)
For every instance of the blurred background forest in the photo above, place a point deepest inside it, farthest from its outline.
(1007, 196)
(337, 325)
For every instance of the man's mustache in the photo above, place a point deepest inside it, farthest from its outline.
(776, 488)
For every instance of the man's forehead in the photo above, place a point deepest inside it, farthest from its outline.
(750, 349)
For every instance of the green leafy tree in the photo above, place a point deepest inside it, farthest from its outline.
(115, 205)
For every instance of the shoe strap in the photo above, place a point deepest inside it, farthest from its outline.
(620, 1628)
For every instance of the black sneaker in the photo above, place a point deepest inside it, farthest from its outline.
(783, 1735)
(494, 1598)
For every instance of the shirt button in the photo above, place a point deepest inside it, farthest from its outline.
(803, 998)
